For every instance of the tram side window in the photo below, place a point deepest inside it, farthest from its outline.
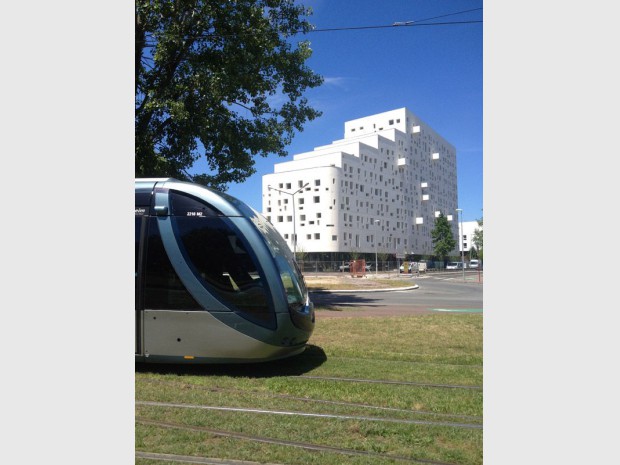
(137, 249)
(183, 204)
(163, 288)
(220, 258)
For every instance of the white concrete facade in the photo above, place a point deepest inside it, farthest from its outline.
(377, 190)
(468, 229)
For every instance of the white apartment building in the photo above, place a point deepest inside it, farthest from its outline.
(378, 189)
(466, 235)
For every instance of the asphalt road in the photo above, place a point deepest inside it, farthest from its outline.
(438, 293)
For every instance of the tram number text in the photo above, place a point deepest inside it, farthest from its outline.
(194, 214)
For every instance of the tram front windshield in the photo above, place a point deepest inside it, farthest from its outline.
(290, 274)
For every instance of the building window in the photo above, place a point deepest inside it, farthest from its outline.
(334, 238)
(317, 236)
(317, 182)
(288, 185)
(317, 199)
(280, 219)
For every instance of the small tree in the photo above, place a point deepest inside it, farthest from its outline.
(473, 253)
(382, 258)
(300, 257)
(478, 239)
(443, 240)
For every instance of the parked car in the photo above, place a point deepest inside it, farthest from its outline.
(454, 266)
(428, 264)
(474, 263)
(412, 266)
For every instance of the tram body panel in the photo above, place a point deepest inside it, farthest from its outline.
(215, 282)
(199, 336)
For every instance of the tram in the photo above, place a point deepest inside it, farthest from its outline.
(215, 281)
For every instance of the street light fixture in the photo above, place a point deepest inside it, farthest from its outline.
(460, 211)
(376, 238)
(293, 196)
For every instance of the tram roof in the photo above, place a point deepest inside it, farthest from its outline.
(228, 205)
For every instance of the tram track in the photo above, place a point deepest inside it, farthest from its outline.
(310, 414)
(309, 400)
(396, 360)
(191, 459)
(387, 381)
(275, 441)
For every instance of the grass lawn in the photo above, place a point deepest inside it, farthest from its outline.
(346, 282)
(397, 389)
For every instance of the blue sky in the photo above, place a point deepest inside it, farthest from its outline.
(435, 71)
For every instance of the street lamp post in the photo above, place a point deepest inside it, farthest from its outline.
(376, 237)
(293, 196)
(460, 211)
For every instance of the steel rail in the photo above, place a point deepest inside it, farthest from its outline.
(282, 442)
(191, 459)
(391, 360)
(310, 414)
(319, 401)
(387, 381)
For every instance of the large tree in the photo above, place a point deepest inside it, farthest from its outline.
(443, 240)
(218, 79)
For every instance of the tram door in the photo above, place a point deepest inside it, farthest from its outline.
(141, 225)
